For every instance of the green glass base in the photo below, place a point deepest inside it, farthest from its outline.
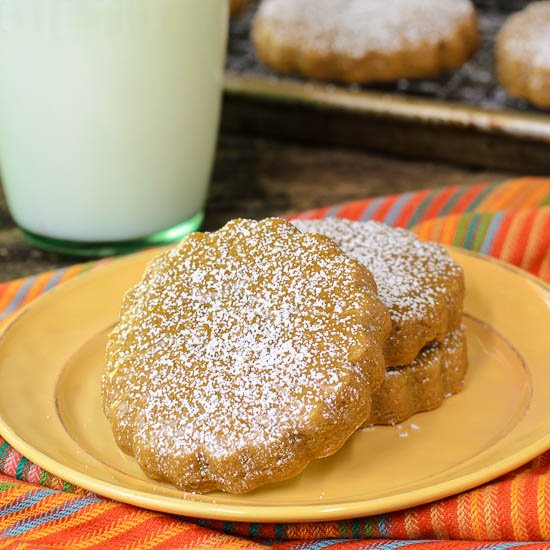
(103, 249)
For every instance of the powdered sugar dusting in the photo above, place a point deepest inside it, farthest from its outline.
(412, 276)
(357, 27)
(236, 353)
(526, 35)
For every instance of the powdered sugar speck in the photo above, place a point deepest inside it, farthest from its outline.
(356, 27)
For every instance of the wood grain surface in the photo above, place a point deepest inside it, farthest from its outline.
(256, 178)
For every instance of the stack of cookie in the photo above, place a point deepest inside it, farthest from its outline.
(246, 353)
(423, 289)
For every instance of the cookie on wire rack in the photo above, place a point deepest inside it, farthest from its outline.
(358, 41)
(523, 54)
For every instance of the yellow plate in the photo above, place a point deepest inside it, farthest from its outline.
(51, 357)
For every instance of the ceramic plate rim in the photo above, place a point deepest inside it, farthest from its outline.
(257, 512)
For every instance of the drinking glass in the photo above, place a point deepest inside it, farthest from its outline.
(109, 114)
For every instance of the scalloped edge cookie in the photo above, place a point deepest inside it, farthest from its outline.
(418, 281)
(361, 41)
(242, 355)
(523, 54)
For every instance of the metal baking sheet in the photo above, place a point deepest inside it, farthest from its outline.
(468, 103)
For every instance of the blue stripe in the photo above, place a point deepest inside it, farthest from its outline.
(491, 232)
(384, 525)
(30, 499)
(332, 211)
(452, 200)
(280, 530)
(20, 468)
(204, 522)
(320, 544)
(254, 529)
(421, 208)
(504, 545)
(19, 295)
(397, 208)
(4, 452)
(55, 279)
(372, 208)
(481, 197)
(391, 545)
(472, 228)
(59, 512)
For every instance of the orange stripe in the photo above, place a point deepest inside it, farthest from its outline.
(408, 210)
(11, 291)
(538, 240)
(451, 521)
(463, 515)
(411, 524)
(383, 208)
(145, 527)
(71, 272)
(441, 230)
(544, 271)
(422, 231)
(353, 210)
(490, 510)
(533, 192)
(439, 201)
(463, 203)
(517, 194)
(543, 506)
(512, 249)
(529, 506)
(424, 521)
(437, 517)
(524, 235)
(477, 520)
(127, 525)
(70, 529)
(399, 528)
(167, 534)
(517, 200)
(497, 198)
(194, 536)
(38, 287)
(450, 227)
(516, 497)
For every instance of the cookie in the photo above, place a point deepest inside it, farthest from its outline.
(358, 41)
(237, 7)
(418, 281)
(242, 355)
(438, 372)
(523, 54)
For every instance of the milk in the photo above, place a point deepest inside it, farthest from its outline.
(108, 113)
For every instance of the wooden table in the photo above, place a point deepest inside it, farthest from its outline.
(257, 178)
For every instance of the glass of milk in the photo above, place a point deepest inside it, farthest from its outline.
(109, 115)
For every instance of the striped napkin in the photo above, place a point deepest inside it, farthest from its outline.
(508, 220)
